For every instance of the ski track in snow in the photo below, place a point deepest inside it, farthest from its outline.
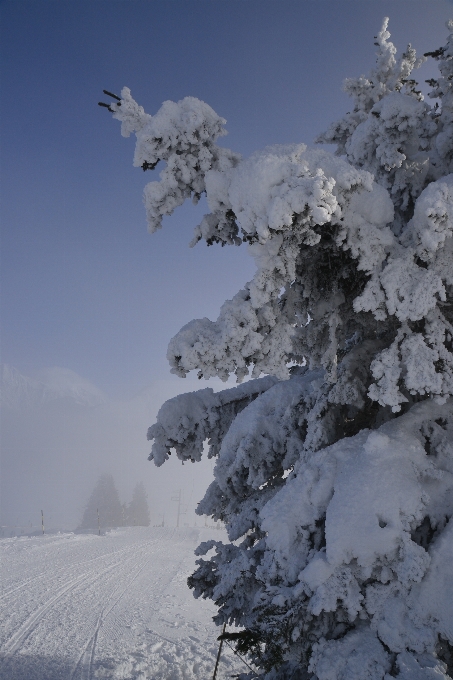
(82, 607)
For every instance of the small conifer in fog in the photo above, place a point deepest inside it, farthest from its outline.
(137, 513)
(105, 500)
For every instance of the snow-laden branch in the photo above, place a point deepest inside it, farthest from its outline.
(183, 135)
(185, 422)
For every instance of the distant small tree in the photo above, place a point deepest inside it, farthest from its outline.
(137, 513)
(124, 515)
(105, 499)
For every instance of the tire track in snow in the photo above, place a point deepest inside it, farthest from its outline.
(19, 636)
(22, 633)
(85, 662)
(162, 645)
(120, 606)
(57, 572)
(86, 659)
(88, 655)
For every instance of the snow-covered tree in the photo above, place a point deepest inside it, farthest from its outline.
(105, 500)
(137, 512)
(334, 472)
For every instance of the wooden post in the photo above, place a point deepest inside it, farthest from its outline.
(178, 498)
(218, 654)
(99, 524)
(179, 508)
(42, 522)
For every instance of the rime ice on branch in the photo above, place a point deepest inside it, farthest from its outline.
(334, 473)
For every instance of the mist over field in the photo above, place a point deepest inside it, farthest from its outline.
(60, 433)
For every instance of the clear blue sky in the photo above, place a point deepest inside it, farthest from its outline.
(83, 284)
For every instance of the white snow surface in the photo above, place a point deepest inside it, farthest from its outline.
(117, 606)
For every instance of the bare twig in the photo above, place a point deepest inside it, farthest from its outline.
(108, 106)
(241, 658)
(110, 94)
(219, 653)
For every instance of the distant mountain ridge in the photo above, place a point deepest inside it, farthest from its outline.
(19, 391)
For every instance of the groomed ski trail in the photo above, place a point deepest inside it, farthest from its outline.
(82, 607)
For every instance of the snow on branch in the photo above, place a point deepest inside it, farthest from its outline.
(262, 444)
(183, 135)
(185, 422)
(285, 199)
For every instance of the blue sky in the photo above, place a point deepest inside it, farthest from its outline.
(83, 284)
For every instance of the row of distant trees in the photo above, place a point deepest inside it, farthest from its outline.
(104, 507)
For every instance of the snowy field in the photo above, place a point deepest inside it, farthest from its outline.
(80, 607)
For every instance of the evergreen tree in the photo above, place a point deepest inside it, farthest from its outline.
(124, 517)
(334, 472)
(105, 500)
(138, 511)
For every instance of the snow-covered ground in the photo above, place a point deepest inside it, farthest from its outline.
(80, 607)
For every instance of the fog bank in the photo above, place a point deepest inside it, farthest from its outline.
(59, 433)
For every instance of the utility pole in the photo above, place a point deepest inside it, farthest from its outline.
(99, 523)
(42, 522)
(179, 508)
(180, 512)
